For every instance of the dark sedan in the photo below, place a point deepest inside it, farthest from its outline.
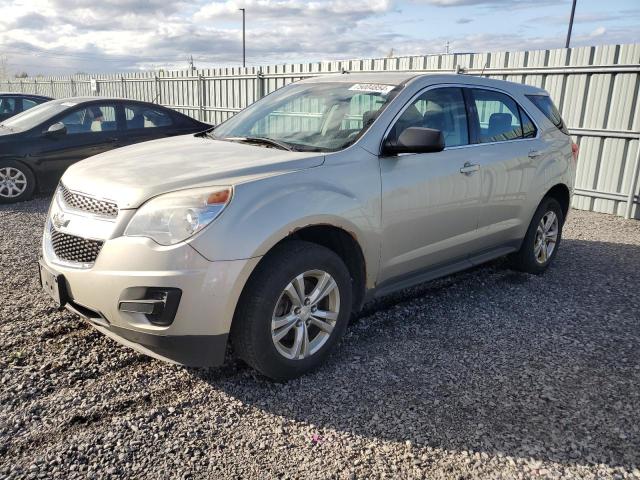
(14, 103)
(38, 145)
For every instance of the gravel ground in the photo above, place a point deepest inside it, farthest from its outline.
(485, 374)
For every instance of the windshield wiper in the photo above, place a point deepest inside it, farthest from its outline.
(264, 140)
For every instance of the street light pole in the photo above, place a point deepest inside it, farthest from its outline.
(244, 64)
(573, 11)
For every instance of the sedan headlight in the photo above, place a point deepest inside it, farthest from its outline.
(174, 217)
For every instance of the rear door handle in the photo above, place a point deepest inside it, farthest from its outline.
(470, 168)
(534, 153)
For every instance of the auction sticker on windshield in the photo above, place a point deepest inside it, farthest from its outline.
(372, 87)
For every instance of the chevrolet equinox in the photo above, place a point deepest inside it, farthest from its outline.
(269, 230)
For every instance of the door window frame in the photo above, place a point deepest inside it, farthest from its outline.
(472, 126)
(118, 110)
(471, 109)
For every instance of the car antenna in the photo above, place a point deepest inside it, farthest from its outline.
(485, 66)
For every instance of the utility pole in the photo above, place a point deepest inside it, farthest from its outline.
(244, 58)
(446, 46)
(573, 12)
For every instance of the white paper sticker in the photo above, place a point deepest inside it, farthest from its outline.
(68, 104)
(372, 87)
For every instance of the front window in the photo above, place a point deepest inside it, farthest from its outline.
(310, 117)
(96, 118)
(35, 116)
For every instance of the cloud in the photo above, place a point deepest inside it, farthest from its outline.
(65, 36)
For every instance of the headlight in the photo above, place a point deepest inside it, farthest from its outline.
(172, 218)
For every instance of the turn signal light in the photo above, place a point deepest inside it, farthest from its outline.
(574, 151)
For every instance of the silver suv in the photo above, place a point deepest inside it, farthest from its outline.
(271, 229)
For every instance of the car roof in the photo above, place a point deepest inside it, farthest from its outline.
(79, 100)
(18, 94)
(399, 78)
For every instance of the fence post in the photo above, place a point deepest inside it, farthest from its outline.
(21, 87)
(35, 86)
(158, 91)
(73, 88)
(634, 182)
(259, 84)
(52, 91)
(123, 91)
(200, 97)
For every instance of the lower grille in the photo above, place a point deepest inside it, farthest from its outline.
(75, 249)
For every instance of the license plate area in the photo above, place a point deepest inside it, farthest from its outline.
(53, 284)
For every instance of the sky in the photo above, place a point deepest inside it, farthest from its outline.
(100, 36)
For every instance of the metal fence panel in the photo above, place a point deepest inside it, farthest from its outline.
(596, 89)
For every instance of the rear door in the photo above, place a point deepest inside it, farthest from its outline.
(508, 150)
(430, 201)
(91, 130)
(143, 123)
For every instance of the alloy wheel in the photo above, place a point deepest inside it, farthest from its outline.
(13, 182)
(305, 314)
(546, 237)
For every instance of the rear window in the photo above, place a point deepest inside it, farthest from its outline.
(546, 106)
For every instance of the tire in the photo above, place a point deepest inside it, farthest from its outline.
(531, 257)
(17, 182)
(266, 311)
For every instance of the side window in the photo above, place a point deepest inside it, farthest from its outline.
(528, 127)
(139, 116)
(546, 106)
(442, 109)
(498, 116)
(27, 103)
(7, 105)
(96, 118)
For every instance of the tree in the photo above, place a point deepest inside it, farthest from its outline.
(22, 75)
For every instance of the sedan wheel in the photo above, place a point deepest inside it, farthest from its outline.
(305, 315)
(13, 182)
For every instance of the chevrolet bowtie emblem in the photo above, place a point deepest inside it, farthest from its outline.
(59, 221)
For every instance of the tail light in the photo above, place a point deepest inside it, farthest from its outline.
(574, 151)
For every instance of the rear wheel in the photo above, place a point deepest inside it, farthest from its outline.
(293, 310)
(17, 182)
(542, 240)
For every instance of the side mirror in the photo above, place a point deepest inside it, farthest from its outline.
(415, 140)
(56, 130)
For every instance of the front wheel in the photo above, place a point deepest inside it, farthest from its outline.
(293, 310)
(540, 245)
(17, 182)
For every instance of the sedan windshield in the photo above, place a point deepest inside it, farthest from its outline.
(35, 116)
(309, 116)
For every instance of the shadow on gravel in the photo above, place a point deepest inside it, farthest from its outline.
(488, 360)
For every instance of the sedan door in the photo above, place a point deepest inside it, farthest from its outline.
(430, 201)
(144, 122)
(90, 130)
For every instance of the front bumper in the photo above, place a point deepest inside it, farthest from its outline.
(127, 267)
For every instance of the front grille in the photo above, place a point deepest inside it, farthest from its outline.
(75, 249)
(88, 204)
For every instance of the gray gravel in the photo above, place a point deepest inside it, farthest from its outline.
(486, 374)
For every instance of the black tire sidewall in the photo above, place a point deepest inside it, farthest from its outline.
(31, 181)
(264, 290)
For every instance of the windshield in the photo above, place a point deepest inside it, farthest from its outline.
(310, 116)
(35, 116)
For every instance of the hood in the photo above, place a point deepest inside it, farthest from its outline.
(131, 175)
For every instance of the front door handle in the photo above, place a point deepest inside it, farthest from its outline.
(534, 153)
(470, 168)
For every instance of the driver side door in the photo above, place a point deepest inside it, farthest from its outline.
(91, 130)
(430, 201)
